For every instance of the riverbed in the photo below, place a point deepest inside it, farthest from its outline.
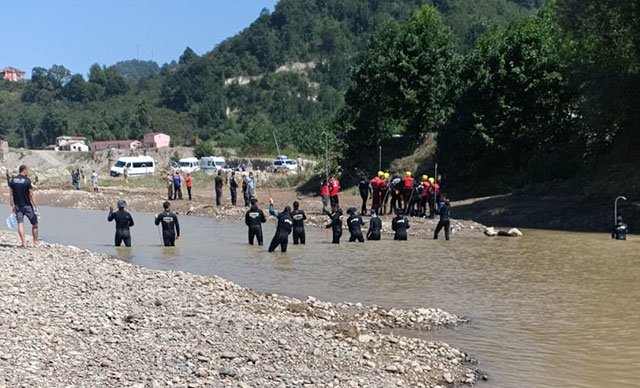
(549, 309)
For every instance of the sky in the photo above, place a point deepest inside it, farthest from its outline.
(79, 33)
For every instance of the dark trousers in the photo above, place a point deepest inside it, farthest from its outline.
(279, 239)
(432, 206)
(177, 192)
(169, 240)
(218, 196)
(373, 236)
(442, 224)
(336, 236)
(298, 237)
(123, 235)
(376, 198)
(234, 195)
(396, 201)
(189, 192)
(363, 208)
(356, 236)
(335, 202)
(401, 236)
(247, 198)
(169, 192)
(255, 232)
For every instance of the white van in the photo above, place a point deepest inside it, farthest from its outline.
(212, 164)
(136, 166)
(189, 165)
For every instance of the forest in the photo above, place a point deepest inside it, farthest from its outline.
(512, 91)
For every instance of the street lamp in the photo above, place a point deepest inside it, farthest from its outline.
(615, 208)
(326, 153)
(379, 158)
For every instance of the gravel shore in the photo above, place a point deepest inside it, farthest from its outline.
(70, 317)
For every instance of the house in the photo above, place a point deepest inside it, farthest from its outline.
(74, 146)
(156, 140)
(115, 144)
(63, 140)
(11, 74)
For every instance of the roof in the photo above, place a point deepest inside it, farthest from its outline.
(12, 69)
(155, 133)
(115, 142)
(72, 137)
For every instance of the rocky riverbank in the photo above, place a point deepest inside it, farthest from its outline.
(70, 317)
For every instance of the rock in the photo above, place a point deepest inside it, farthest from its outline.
(447, 377)
(253, 357)
(202, 372)
(391, 369)
(226, 372)
(228, 355)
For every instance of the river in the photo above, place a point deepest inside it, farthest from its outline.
(551, 309)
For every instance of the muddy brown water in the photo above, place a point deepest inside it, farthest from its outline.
(552, 309)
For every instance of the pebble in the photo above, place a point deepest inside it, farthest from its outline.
(228, 355)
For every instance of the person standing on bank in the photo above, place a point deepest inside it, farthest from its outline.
(233, 188)
(123, 222)
(177, 185)
(365, 193)
(444, 210)
(283, 229)
(22, 203)
(298, 217)
(189, 183)
(254, 218)
(169, 186)
(336, 224)
(399, 225)
(246, 195)
(620, 230)
(170, 225)
(94, 180)
(218, 181)
(375, 227)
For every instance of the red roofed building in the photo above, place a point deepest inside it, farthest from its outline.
(156, 140)
(12, 74)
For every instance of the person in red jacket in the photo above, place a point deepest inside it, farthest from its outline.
(407, 190)
(324, 193)
(334, 190)
(424, 195)
(376, 191)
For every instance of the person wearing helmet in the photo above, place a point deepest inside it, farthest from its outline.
(395, 189)
(336, 224)
(399, 225)
(407, 190)
(444, 210)
(355, 223)
(283, 228)
(123, 222)
(432, 196)
(376, 183)
(375, 227)
(620, 230)
(365, 192)
(424, 195)
(334, 190)
(385, 193)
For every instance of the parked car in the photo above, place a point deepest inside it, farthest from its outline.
(174, 165)
(284, 165)
(212, 164)
(135, 165)
(189, 165)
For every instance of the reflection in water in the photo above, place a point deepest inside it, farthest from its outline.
(550, 309)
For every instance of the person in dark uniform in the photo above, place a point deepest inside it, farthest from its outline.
(298, 217)
(22, 202)
(620, 230)
(123, 222)
(395, 187)
(365, 192)
(170, 225)
(254, 218)
(354, 223)
(218, 181)
(233, 188)
(375, 227)
(336, 224)
(444, 210)
(399, 225)
(283, 229)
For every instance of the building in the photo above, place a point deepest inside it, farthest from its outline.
(74, 146)
(63, 140)
(156, 140)
(11, 74)
(115, 144)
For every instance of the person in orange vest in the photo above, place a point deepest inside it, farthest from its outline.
(376, 191)
(384, 192)
(334, 190)
(407, 190)
(433, 192)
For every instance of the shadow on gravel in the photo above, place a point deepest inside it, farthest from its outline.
(561, 213)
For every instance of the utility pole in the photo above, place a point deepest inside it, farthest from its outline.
(379, 158)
